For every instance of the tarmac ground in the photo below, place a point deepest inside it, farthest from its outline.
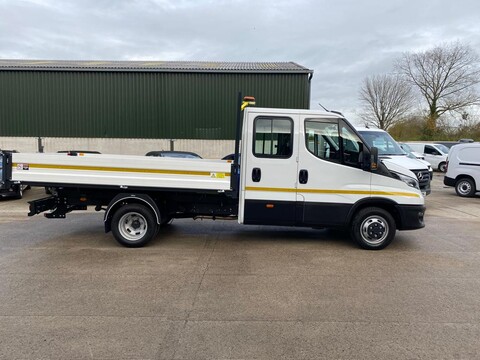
(219, 290)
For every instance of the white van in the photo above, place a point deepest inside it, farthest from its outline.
(390, 150)
(409, 150)
(463, 169)
(435, 154)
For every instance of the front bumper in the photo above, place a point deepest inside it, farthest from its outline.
(411, 217)
(426, 189)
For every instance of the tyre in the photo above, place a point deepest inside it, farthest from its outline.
(465, 187)
(373, 228)
(134, 225)
(442, 166)
(19, 192)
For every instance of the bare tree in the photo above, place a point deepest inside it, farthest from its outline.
(386, 99)
(446, 77)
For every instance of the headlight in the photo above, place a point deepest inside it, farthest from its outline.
(407, 180)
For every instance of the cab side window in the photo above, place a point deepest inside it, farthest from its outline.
(333, 140)
(352, 147)
(322, 140)
(431, 150)
(273, 137)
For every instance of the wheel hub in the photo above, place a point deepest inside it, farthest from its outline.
(133, 226)
(374, 230)
(465, 188)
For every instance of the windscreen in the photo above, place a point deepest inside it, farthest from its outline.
(442, 148)
(385, 144)
(406, 148)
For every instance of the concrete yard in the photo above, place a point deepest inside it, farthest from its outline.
(219, 290)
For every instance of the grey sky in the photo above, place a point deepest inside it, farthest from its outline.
(342, 41)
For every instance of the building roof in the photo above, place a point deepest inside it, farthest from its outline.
(154, 66)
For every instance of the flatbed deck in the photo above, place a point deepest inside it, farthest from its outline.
(120, 170)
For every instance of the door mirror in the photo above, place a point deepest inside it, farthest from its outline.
(373, 158)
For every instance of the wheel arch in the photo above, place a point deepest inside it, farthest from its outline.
(388, 205)
(463, 176)
(471, 179)
(122, 199)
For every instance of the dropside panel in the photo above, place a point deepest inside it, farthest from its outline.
(123, 171)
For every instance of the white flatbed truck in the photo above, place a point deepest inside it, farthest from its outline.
(298, 168)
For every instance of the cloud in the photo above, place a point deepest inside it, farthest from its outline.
(342, 41)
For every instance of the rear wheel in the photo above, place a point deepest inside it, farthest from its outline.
(373, 228)
(134, 225)
(465, 187)
(442, 166)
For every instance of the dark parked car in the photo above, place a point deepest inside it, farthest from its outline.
(231, 157)
(174, 154)
(14, 191)
(78, 152)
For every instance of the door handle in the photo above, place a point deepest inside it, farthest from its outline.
(303, 176)
(256, 174)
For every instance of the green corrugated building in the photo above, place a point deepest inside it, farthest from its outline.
(140, 99)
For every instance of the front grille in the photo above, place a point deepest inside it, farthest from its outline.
(423, 177)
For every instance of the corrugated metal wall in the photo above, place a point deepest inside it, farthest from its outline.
(137, 104)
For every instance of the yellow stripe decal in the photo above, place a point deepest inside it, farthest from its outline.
(212, 174)
(333, 191)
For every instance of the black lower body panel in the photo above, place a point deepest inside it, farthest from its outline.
(290, 213)
(411, 217)
(267, 212)
(323, 214)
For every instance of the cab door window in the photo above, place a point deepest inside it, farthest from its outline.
(322, 140)
(273, 137)
(430, 150)
(352, 146)
(333, 140)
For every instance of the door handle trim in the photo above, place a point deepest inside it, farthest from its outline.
(303, 176)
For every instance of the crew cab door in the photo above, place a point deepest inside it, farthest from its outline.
(269, 169)
(330, 175)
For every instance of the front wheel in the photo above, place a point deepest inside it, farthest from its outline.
(373, 228)
(442, 166)
(134, 225)
(465, 187)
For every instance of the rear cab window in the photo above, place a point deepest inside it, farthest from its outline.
(273, 137)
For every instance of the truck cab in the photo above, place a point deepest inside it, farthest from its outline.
(308, 168)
